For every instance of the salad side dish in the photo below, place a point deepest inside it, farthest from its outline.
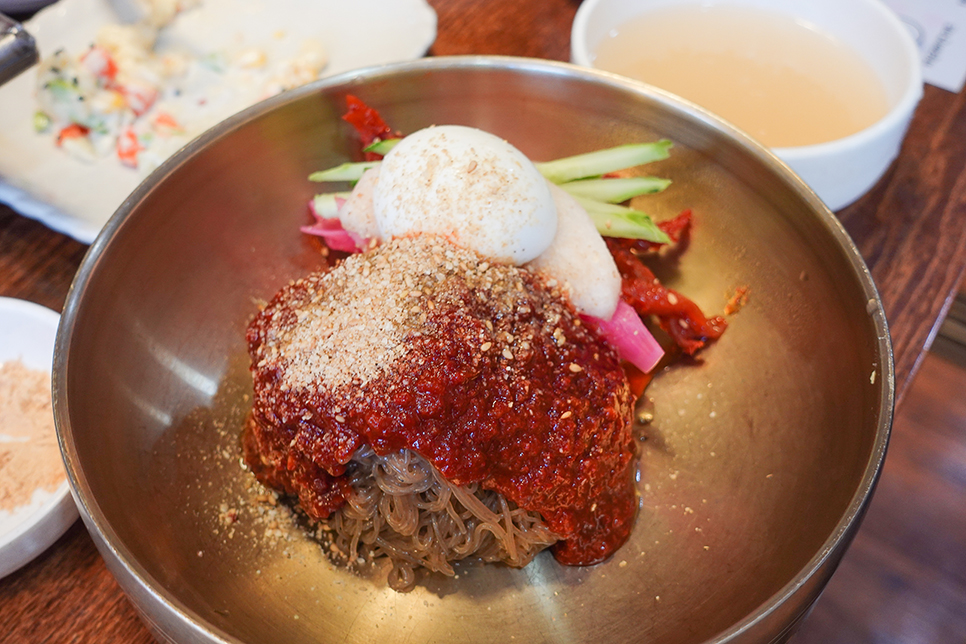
(139, 95)
(462, 381)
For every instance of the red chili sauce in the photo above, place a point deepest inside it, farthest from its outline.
(494, 379)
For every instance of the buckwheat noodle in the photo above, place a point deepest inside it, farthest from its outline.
(403, 508)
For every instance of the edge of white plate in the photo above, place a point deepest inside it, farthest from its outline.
(35, 526)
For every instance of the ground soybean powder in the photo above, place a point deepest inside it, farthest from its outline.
(29, 456)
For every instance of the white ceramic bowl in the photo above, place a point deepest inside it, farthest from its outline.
(27, 333)
(839, 171)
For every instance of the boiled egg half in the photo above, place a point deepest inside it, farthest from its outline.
(469, 186)
(484, 194)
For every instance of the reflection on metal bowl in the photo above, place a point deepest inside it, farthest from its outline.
(757, 467)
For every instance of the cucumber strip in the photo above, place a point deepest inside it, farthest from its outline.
(381, 146)
(617, 221)
(615, 190)
(344, 172)
(594, 164)
(325, 204)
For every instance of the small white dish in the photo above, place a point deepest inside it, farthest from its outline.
(839, 171)
(42, 182)
(27, 332)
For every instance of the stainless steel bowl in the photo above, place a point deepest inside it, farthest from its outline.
(757, 468)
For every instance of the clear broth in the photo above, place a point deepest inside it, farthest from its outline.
(778, 79)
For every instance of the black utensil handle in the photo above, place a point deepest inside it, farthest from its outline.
(18, 50)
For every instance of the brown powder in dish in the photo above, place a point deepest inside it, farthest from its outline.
(29, 456)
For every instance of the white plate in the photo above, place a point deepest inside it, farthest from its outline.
(27, 332)
(42, 182)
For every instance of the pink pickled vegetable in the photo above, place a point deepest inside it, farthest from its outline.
(626, 333)
(330, 229)
(335, 236)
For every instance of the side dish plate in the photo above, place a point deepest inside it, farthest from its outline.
(41, 181)
(27, 333)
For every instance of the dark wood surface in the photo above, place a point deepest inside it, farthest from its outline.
(902, 580)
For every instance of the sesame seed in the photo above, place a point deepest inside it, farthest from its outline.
(353, 323)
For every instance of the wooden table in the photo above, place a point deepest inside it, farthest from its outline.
(909, 228)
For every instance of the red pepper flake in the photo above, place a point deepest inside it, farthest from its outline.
(100, 62)
(680, 318)
(368, 123)
(72, 131)
(165, 123)
(128, 148)
(737, 301)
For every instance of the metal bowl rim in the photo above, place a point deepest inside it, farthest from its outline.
(96, 521)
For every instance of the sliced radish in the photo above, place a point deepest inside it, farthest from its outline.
(626, 333)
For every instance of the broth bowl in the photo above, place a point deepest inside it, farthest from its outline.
(841, 170)
(754, 474)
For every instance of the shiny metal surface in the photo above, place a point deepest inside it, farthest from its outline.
(757, 466)
(18, 49)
